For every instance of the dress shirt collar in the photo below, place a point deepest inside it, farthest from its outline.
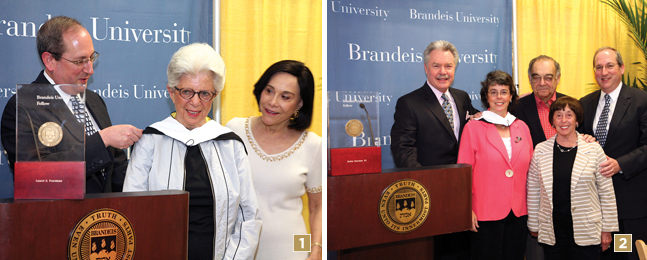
(66, 97)
(550, 101)
(613, 95)
(440, 94)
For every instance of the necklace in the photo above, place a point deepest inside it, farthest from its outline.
(268, 158)
(564, 150)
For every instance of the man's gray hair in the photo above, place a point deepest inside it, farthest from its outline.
(441, 45)
(194, 59)
(558, 70)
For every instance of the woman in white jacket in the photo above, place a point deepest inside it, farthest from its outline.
(189, 151)
(571, 206)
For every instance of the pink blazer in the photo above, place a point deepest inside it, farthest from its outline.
(498, 184)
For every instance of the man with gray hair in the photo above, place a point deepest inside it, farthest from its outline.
(67, 53)
(428, 121)
(544, 74)
(427, 128)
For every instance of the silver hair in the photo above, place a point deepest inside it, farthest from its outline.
(558, 69)
(194, 59)
(441, 45)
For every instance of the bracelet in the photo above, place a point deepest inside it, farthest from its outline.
(317, 244)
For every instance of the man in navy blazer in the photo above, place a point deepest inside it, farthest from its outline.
(67, 52)
(422, 133)
(624, 142)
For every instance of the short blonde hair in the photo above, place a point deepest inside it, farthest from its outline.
(194, 59)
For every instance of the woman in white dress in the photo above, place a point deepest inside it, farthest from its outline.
(285, 159)
(189, 151)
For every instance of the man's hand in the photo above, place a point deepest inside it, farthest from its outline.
(606, 241)
(120, 136)
(475, 116)
(609, 167)
(588, 138)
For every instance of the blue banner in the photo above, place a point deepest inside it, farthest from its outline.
(378, 45)
(135, 40)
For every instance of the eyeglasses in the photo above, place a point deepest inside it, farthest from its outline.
(609, 66)
(81, 63)
(503, 93)
(537, 78)
(204, 95)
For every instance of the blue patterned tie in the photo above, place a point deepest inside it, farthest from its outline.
(82, 115)
(447, 107)
(601, 130)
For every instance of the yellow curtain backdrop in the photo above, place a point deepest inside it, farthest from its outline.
(257, 33)
(571, 31)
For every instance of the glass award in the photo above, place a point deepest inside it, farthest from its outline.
(353, 132)
(50, 142)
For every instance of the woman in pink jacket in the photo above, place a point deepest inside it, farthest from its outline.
(499, 148)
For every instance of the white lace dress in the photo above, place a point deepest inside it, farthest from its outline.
(280, 180)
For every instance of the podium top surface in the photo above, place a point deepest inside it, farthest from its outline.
(109, 195)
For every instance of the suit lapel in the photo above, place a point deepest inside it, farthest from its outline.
(546, 166)
(580, 160)
(436, 109)
(624, 100)
(91, 104)
(517, 147)
(533, 115)
(591, 107)
(62, 112)
(462, 113)
(495, 140)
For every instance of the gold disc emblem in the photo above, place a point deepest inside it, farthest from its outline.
(102, 234)
(354, 127)
(50, 134)
(404, 206)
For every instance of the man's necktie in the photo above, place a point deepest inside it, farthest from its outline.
(601, 130)
(82, 115)
(448, 110)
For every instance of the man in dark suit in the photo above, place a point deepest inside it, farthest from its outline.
(429, 120)
(67, 52)
(428, 125)
(617, 116)
(544, 73)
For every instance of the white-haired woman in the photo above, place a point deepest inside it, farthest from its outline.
(189, 151)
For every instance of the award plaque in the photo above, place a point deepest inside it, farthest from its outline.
(353, 133)
(50, 143)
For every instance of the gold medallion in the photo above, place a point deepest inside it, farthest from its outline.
(50, 134)
(102, 234)
(354, 127)
(404, 206)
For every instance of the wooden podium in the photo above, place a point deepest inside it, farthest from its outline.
(40, 229)
(354, 226)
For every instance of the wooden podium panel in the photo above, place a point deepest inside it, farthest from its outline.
(40, 229)
(353, 205)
